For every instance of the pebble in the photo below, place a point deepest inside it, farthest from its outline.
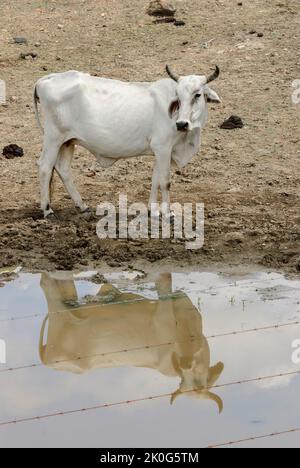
(20, 40)
(179, 23)
(161, 8)
(28, 55)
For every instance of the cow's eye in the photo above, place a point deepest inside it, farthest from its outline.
(198, 96)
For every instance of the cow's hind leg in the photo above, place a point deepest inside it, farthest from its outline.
(46, 167)
(63, 168)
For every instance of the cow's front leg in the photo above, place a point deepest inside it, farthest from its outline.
(163, 162)
(153, 206)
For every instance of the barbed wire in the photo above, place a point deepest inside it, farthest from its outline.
(74, 309)
(140, 400)
(173, 295)
(147, 347)
(255, 438)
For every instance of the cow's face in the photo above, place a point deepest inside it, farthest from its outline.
(190, 108)
(197, 378)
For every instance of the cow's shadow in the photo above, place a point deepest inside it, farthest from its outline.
(117, 329)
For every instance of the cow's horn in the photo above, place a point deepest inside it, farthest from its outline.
(172, 75)
(175, 395)
(214, 76)
(216, 399)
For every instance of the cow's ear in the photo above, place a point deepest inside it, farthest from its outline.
(211, 96)
(214, 374)
(174, 107)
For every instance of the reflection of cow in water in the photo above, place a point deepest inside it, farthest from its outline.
(164, 334)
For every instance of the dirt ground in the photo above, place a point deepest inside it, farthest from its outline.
(247, 178)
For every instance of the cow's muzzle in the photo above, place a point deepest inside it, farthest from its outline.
(182, 126)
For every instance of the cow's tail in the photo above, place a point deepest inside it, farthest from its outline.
(36, 100)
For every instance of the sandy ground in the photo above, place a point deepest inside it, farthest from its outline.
(248, 178)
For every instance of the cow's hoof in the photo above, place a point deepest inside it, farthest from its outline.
(88, 214)
(156, 214)
(169, 217)
(51, 217)
(83, 209)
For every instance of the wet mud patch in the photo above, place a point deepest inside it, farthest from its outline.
(70, 242)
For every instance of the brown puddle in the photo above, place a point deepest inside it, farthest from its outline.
(181, 360)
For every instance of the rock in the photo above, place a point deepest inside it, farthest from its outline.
(12, 151)
(179, 23)
(233, 122)
(161, 8)
(28, 55)
(91, 173)
(166, 19)
(20, 40)
(234, 238)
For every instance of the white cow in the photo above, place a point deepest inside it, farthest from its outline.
(165, 335)
(115, 119)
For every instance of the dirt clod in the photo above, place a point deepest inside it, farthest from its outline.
(233, 122)
(25, 56)
(161, 8)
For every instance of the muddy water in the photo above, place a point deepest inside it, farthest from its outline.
(182, 355)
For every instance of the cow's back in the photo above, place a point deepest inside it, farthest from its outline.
(110, 118)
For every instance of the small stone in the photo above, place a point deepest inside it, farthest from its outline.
(60, 26)
(161, 8)
(28, 55)
(179, 23)
(20, 40)
(90, 173)
(234, 238)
